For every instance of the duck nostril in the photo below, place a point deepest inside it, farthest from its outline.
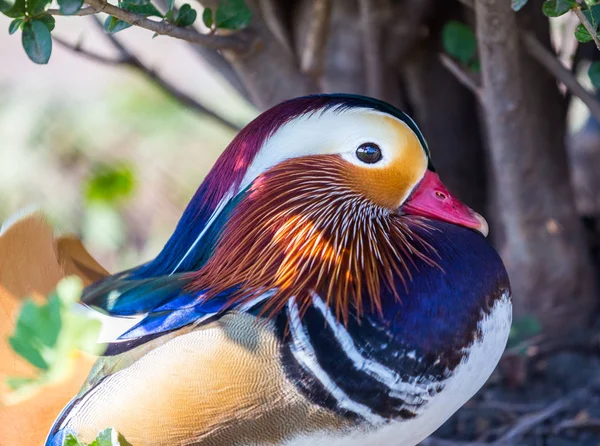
(440, 195)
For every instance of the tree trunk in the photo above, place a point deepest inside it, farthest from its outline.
(543, 247)
(448, 115)
(270, 72)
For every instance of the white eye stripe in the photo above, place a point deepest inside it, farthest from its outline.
(329, 132)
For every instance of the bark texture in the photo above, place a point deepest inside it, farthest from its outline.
(544, 248)
(508, 159)
(448, 115)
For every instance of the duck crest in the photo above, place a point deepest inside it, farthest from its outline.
(298, 232)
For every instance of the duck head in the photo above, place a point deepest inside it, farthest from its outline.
(320, 192)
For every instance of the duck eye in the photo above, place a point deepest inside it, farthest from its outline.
(369, 153)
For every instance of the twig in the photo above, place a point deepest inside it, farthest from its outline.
(311, 60)
(272, 15)
(371, 47)
(528, 422)
(469, 80)
(128, 59)
(237, 42)
(586, 23)
(81, 12)
(586, 423)
(468, 3)
(506, 406)
(549, 61)
(88, 54)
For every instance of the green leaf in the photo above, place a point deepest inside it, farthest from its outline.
(72, 440)
(110, 184)
(146, 10)
(15, 383)
(37, 331)
(108, 437)
(37, 41)
(69, 7)
(593, 15)
(475, 66)
(13, 9)
(207, 17)
(113, 25)
(49, 21)
(459, 41)
(37, 7)
(28, 352)
(15, 25)
(170, 4)
(138, 2)
(232, 14)
(582, 34)
(594, 74)
(47, 335)
(556, 8)
(186, 16)
(517, 5)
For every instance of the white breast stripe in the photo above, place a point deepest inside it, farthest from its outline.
(408, 391)
(253, 302)
(305, 354)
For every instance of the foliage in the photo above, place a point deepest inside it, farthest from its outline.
(460, 43)
(110, 184)
(594, 74)
(47, 336)
(107, 437)
(590, 10)
(36, 25)
(556, 8)
(232, 14)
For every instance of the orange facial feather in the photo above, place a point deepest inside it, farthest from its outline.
(390, 184)
(304, 228)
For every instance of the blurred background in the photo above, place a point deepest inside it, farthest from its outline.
(101, 150)
(112, 137)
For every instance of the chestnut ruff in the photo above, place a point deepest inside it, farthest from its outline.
(301, 228)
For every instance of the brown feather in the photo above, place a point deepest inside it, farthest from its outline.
(304, 228)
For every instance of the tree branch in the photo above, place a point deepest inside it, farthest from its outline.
(371, 33)
(586, 23)
(469, 80)
(468, 3)
(270, 74)
(560, 72)
(528, 422)
(549, 61)
(76, 48)
(128, 59)
(82, 12)
(271, 12)
(234, 42)
(311, 59)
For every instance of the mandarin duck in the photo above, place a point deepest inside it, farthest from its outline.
(322, 287)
